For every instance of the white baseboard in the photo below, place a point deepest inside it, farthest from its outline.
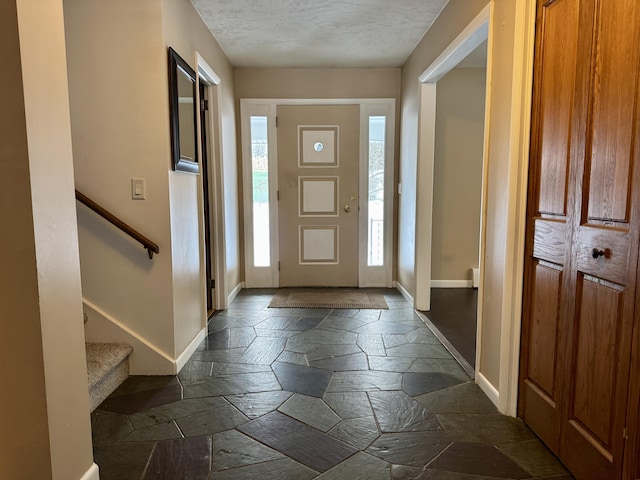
(404, 293)
(234, 293)
(186, 354)
(489, 390)
(451, 283)
(92, 473)
(146, 359)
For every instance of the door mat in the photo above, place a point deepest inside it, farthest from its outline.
(328, 298)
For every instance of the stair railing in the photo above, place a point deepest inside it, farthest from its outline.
(150, 246)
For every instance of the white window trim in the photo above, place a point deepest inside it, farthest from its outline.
(367, 276)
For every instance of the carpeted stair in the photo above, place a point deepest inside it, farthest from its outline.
(107, 368)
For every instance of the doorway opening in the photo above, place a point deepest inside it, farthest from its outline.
(213, 265)
(452, 147)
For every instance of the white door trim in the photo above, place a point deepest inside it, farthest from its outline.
(206, 75)
(268, 277)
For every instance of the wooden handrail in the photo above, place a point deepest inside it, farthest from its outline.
(146, 243)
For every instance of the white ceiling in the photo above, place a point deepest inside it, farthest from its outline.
(318, 33)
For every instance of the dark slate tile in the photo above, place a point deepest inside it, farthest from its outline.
(142, 400)
(216, 341)
(349, 404)
(371, 343)
(411, 448)
(211, 421)
(359, 432)
(463, 398)
(365, 381)
(283, 469)
(391, 341)
(223, 369)
(412, 364)
(293, 357)
(422, 335)
(311, 411)
(172, 411)
(263, 351)
(533, 457)
(195, 371)
(414, 384)
(300, 379)
(138, 383)
(184, 459)
(397, 412)
(226, 356)
(154, 433)
(241, 337)
(265, 332)
(108, 427)
(403, 472)
(278, 323)
(300, 312)
(478, 459)
(493, 429)
(417, 350)
(329, 351)
(359, 467)
(405, 312)
(311, 339)
(387, 326)
(236, 319)
(355, 361)
(254, 405)
(122, 461)
(232, 449)
(344, 323)
(304, 324)
(233, 385)
(304, 444)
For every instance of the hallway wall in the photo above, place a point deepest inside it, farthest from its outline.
(45, 431)
(457, 181)
(118, 85)
(500, 293)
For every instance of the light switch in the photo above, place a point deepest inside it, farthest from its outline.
(138, 189)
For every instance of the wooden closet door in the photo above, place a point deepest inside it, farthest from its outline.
(583, 226)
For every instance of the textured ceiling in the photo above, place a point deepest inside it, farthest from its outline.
(318, 33)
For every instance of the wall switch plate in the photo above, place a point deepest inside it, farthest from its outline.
(138, 189)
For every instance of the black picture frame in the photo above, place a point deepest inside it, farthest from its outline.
(183, 114)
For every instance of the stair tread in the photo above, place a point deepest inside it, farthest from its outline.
(103, 357)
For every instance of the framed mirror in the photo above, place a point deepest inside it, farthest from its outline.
(182, 111)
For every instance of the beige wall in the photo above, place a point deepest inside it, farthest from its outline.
(457, 182)
(185, 32)
(120, 124)
(506, 163)
(455, 16)
(322, 83)
(44, 412)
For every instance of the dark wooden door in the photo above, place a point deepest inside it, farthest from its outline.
(583, 224)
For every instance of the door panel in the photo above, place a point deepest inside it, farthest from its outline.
(318, 195)
(582, 254)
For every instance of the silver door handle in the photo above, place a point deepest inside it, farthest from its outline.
(347, 208)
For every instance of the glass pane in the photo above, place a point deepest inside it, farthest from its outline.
(260, 184)
(375, 255)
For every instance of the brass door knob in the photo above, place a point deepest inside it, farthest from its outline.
(347, 208)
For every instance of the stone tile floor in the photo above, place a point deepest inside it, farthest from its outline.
(279, 394)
